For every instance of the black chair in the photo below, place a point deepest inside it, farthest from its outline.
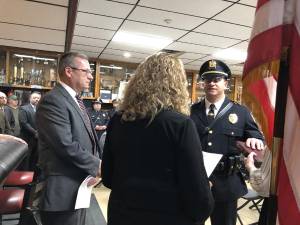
(252, 199)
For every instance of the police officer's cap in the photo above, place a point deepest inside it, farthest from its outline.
(213, 68)
(97, 101)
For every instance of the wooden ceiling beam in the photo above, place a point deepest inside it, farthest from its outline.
(72, 14)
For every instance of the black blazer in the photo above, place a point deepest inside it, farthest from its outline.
(10, 116)
(28, 129)
(65, 148)
(155, 171)
(236, 124)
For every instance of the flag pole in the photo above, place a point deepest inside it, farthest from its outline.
(280, 106)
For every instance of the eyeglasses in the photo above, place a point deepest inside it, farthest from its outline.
(86, 71)
(212, 79)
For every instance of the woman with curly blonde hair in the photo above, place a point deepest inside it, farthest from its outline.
(152, 159)
(160, 83)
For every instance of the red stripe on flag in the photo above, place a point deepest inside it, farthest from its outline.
(260, 3)
(288, 212)
(259, 90)
(264, 48)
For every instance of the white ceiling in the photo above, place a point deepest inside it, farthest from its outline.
(198, 28)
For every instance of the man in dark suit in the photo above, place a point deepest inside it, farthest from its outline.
(68, 146)
(220, 123)
(4, 123)
(99, 117)
(11, 111)
(28, 131)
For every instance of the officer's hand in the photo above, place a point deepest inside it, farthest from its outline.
(249, 161)
(255, 143)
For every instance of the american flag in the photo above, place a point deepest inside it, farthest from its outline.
(276, 28)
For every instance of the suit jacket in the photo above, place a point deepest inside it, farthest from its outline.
(236, 124)
(4, 124)
(28, 130)
(66, 149)
(10, 116)
(156, 172)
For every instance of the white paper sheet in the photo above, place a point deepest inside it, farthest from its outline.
(84, 194)
(210, 161)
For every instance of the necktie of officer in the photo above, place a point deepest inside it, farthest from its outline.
(211, 113)
(86, 119)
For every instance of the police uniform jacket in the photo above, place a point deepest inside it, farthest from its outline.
(236, 124)
(155, 171)
(100, 118)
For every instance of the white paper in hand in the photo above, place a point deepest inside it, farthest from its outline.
(210, 161)
(84, 194)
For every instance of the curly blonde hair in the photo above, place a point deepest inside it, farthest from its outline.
(159, 83)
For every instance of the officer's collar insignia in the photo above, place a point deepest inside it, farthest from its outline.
(233, 118)
(212, 64)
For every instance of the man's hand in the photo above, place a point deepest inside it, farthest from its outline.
(94, 181)
(98, 127)
(249, 161)
(255, 144)
(259, 154)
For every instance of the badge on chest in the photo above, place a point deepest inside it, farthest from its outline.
(233, 118)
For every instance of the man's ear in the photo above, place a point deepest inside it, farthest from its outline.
(68, 72)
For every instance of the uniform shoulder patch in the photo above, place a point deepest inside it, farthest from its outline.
(235, 102)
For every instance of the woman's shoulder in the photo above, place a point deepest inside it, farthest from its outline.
(172, 116)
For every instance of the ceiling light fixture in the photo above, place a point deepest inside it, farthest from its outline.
(33, 57)
(231, 54)
(142, 40)
(111, 67)
(127, 55)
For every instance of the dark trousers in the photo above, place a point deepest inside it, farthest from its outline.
(29, 163)
(224, 213)
(263, 217)
(76, 217)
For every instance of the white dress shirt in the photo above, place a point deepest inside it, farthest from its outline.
(217, 104)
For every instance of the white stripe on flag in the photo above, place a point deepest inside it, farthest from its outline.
(291, 145)
(268, 16)
(271, 85)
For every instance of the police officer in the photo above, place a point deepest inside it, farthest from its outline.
(220, 123)
(100, 118)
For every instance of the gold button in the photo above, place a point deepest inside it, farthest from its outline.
(210, 131)
(209, 144)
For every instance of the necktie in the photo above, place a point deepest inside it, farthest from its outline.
(211, 113)
(86, 119)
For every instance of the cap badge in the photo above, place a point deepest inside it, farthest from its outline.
(233, 118)
(212, 64)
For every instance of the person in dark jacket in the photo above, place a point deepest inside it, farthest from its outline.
(4, 123)
(220, 123)
(28, 131)
(12, 113)
(152, 159)
(99, 117)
